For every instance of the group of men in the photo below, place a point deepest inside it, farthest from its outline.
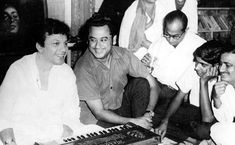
(116, 87)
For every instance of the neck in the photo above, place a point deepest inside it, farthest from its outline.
(233, 84)
(106, 61)
(42, 64)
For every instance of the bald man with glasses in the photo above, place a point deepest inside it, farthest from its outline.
(171, 56)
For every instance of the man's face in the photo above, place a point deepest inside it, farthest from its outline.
(173, 32)
(100, 41)
(55, 49)
(227, 67)
(11, 20)
(201, 67)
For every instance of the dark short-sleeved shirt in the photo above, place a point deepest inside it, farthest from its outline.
(96, 81)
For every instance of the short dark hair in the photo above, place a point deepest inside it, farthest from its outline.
(210, 52)
(49, 27)
(175, 15)
(100, 20)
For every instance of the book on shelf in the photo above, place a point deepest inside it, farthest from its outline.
(220, 23)
(213, 23)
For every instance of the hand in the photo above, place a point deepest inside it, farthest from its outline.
(146, 60)
(161, 129)
(219, 89)
(149, 114)
(49, 143)
(143, 121)
(67, 131)
(7, 136)
(210, 74)
(145, 42)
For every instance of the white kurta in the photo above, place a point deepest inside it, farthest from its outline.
(223, 132)
(171, 62)
(153, 33)
(35, 114)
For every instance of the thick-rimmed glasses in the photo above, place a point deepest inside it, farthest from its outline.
(176, 36)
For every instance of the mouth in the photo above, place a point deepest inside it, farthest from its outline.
(61, 55)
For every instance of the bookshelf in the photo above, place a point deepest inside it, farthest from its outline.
(216, 22)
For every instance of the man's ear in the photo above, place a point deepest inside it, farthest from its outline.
(39, 47)
(114, 39)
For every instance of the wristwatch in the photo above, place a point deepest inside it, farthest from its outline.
(9, 141)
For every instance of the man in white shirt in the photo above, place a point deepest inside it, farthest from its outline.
(38, 97)
(223, 100)
(173, 53)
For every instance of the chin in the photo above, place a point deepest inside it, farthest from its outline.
(59, 62)
(99, 56)
(224, 78)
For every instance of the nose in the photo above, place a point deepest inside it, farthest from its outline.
(222, 68)
(97, 44)
(63, 47)
(171, 39)
(197, 66)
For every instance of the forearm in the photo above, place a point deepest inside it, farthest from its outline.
(175, 104)
(154, 94)
(205, 104)
(7, 135)
(109, 116)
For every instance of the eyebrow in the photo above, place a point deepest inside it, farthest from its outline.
(100, 38)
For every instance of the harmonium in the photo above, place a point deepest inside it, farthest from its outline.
(128, 134)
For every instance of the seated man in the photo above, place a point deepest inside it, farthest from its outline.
(173, 52)
(223, 100)
(38, 97)
(196, 80)
(102, 80)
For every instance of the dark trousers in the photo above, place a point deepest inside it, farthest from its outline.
(135, 100)
(185, 122)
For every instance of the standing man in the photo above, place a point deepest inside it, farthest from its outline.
(103, 84)
(141, 25)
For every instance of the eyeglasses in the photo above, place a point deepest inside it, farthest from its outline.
(176, 36)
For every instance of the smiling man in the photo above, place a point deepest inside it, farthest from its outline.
(38, 97)
(224, 99)
(107, 95)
